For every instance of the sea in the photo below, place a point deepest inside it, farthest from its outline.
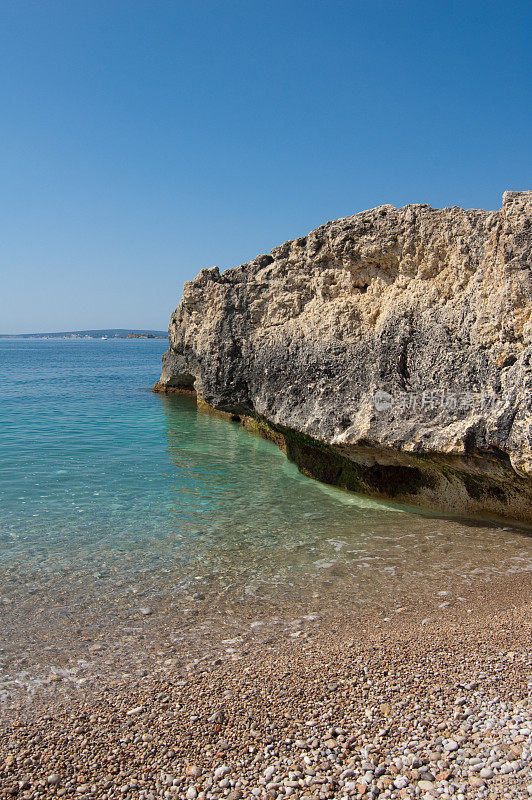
(140, 534)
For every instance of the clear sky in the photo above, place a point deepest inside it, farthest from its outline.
(141, 140)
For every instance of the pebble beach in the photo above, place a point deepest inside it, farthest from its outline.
(415, 706)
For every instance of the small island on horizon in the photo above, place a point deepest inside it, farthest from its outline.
(104, 333)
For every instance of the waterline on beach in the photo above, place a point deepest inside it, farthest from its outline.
(131, 517)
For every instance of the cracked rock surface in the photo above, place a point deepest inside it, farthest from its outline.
(388, 352)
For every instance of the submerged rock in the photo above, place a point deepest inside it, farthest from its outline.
(388, 352)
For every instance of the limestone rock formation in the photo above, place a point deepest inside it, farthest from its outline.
(388, 352)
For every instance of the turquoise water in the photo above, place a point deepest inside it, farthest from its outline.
(129, 517)
(93, 462)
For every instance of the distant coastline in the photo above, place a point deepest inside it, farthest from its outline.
(105, 333)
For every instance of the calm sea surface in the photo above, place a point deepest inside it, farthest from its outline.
(140, 533)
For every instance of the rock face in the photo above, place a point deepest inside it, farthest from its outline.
(388, 352)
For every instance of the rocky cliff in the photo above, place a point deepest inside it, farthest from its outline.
(388, 352)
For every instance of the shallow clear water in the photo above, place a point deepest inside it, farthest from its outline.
(132, 520)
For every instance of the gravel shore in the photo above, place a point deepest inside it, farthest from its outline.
(422, 707)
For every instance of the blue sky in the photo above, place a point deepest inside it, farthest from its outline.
(141, 140)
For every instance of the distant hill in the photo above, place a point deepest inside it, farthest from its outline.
(105, 333)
